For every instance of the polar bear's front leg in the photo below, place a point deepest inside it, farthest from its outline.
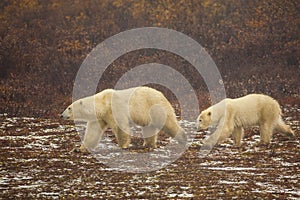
(150, 137)
(282, 127)
(92, 136)
(212, 140)
(225, 133)
(237, 135)
(222, 132)
(266, 132)
(227, 126)
(173, 129)
(123, 136)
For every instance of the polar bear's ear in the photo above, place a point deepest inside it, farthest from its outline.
(80, 102)
(209, 114)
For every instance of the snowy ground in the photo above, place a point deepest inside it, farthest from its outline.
(36, 162)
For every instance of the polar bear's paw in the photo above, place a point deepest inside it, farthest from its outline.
(81, 149)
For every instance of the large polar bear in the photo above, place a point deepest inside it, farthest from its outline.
(117, 109)
(230, 116)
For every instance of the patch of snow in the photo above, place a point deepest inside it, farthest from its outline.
(235, 168)
(287, 164)
(270, 188)
(49, 193)
(184, 194)
(211, 163)
(26, 186)
(232, 182)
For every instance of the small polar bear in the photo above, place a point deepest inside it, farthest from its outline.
(230, 116)
(117, 109)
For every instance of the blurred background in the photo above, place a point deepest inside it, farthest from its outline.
(255, 44)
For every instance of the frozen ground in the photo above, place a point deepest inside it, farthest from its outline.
(36, 162)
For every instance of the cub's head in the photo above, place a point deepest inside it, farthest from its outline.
(204, 120)
(82, 109)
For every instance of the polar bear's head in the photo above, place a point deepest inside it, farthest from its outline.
(204, 120)
(82, 109)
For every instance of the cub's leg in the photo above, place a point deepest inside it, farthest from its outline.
(150, 137)
(237, 135)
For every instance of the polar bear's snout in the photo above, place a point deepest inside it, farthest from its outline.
(62, 116)
(201, 126)
(67, 114)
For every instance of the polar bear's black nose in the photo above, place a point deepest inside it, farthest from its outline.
(61, 116)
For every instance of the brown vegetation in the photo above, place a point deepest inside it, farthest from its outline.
(255, 44)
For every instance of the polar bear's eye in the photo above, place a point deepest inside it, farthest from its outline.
(200, 120)
(69, 108)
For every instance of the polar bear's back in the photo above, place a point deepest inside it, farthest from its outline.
(146, 100)
(254, 108)
(142, 96)
(256, 102)
(142, 105)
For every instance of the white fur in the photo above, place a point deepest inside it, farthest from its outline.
(116, 109)
(230, 116)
